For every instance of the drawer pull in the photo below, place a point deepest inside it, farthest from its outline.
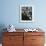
(33, 39)
(10, 38)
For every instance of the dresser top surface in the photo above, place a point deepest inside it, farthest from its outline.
(22, 30)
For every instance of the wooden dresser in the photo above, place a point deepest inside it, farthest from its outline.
(23, 38)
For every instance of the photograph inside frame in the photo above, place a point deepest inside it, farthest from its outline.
(26, 13)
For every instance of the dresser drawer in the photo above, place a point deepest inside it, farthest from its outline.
(37, 44)
(12, 39)
(13, 33)
(13, 44)
(37, 39)
(34, 33)
(8, 45)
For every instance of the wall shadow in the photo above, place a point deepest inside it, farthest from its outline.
(2, 29)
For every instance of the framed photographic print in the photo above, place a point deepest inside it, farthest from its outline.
(26, 13)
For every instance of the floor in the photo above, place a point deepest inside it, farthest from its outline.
(0, 44)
